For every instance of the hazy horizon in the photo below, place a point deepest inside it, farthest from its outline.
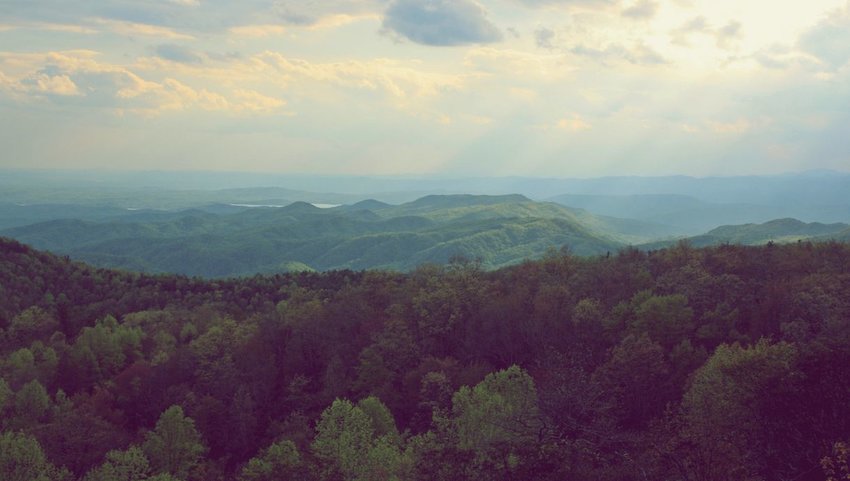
(528, 88)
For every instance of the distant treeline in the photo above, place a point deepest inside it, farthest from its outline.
(711, 364)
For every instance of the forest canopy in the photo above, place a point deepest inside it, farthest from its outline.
(683, 363)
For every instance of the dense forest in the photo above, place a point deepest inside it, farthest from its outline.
(687, 364)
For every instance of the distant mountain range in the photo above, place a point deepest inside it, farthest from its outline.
(224, 240)
(779, 230)
(223, 224)
(687, 215)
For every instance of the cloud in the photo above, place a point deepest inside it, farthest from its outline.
(177, 53)
(45, 83)
(637, 54)
(397, 80)
(552, 3)
(829, 41)
(641, 10)
(726, 37)
(135, 29)
(256, 31)
(736, 127)
(529, 66)
(182, 17)
(325, 12)
(81, 78)
(574, 123)
(543, 38)
(441, 22)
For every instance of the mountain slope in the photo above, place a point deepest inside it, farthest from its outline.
(778, 230)
(501, 230)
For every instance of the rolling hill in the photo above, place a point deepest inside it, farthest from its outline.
(217, 242)
(778, 230)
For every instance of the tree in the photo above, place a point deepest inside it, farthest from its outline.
(31, 324)
(31, 403)
(129, 465)
(6, 397)
(667, 319)
(21, 459)
(635, 376)
(836, 466)
(174, 446)
(723, 423)
(359, 443)
(343, 439)
(498, 421)
(279, 461)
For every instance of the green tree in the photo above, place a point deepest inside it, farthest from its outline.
(129, 465)
(359, 445)
(174, 446)
(7, 397)
(723, 424)
(21, 459)
(497, 423)
(279, 461)
(32, 404)
(383, 423)
(32, 324)
(343, 439)
(667, 319)
(636, 379)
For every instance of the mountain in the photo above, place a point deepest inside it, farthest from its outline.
(778, 230)
(687, 215)
(216, 242)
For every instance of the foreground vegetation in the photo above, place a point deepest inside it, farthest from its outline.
(680, 364)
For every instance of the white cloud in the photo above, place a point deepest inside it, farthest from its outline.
(132, 29)
(264, 30)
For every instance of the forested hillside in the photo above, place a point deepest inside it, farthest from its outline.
(220, 241)
(778, 230)
(714, 364)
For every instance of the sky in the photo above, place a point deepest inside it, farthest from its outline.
(562, 88)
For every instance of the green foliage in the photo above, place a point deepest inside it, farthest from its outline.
(347, 441)
(501, 409)
(129, 465)
(21, 459)
(31, 324)
(281, 460)
(383, 423)
(32, 404)
(721, 407)
(6, 398)
(667, 319)
(102, 350)
(174, 446)
(344, 436)
(620, 384)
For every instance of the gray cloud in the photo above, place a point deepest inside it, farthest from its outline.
(829, 41)
(204, 16)
(642, 10)
(177, 53)
(543, 37)
(441, 22)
